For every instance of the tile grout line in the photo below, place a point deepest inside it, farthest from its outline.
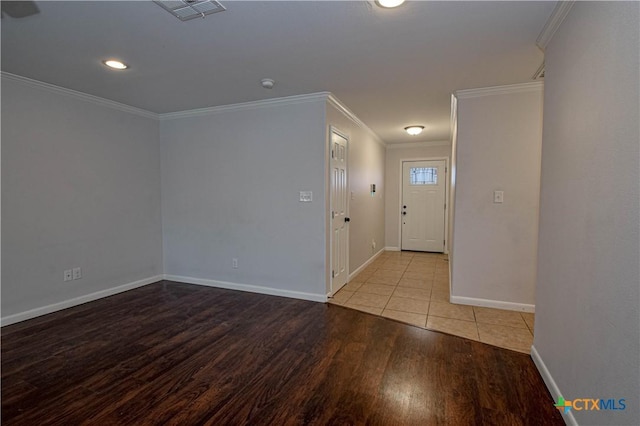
(394, 290)
(527, 324)
(475, 320)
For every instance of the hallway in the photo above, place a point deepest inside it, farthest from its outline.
(413, 288)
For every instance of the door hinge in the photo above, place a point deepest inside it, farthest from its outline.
(333, 274)
(333, 215)
(333, 154)
(445, 170)
(445, 206)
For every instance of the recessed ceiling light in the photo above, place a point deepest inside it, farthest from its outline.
(116, 65)
(414, 130)
(389, 3)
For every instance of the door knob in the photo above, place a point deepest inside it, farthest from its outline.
(347, 219)
(404, 207)
(404, 213)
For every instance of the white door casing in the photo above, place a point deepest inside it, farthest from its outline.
(339, 210)
(423, 205)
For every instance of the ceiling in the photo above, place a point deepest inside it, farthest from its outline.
(391, 67)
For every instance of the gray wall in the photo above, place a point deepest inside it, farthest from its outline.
(587, 316)
(451, 199)
(366, 166)
(230, 189)
(498, 144)
(80, 188)
(393, 170)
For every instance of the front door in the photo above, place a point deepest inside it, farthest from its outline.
(339, 212)
(423, 205)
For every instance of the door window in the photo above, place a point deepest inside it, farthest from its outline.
(423, 176)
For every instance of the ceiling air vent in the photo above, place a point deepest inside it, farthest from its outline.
(185, 10)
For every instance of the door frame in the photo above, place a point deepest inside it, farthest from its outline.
(333, 129)
(447, 202)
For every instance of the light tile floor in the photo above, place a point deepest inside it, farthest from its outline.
(414, 288)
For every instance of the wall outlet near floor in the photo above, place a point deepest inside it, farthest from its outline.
(373, 245)
(77, 273)
(234, 263)
(72, 274)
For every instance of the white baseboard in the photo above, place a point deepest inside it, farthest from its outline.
(365, 264)
(248, 287)
(22, 316)
(551, 385)
(392, 249)
(488, 303)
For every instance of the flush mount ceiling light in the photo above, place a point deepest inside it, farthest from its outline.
(388, 4)
(186, 10)
(115, 64)
(414, 130)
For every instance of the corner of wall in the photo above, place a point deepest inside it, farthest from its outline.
(552, 386)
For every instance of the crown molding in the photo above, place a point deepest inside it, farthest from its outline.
(79, 95)
(500, 90)
(288, 100)
(337, 104)
(422, 144)
(553, 23)
(539, 74)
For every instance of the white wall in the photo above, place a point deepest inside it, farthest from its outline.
(395, 156)
(230, 189)
(80, 188)
(498, 148)
(366, 167)
(587, 317)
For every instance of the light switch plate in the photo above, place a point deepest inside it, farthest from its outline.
(306, 196)
(498, 197)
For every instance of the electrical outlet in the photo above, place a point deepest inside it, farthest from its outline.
(68, 274)
(77, 273)
(373, 244)
(234, 263)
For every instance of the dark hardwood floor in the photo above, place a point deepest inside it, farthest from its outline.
(179, 354)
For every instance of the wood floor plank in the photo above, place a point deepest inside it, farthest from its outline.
(179, 354)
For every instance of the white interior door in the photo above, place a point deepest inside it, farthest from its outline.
(339, 212)
(423, 205)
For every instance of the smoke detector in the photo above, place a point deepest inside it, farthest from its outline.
(186, 10)
(267, 83)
